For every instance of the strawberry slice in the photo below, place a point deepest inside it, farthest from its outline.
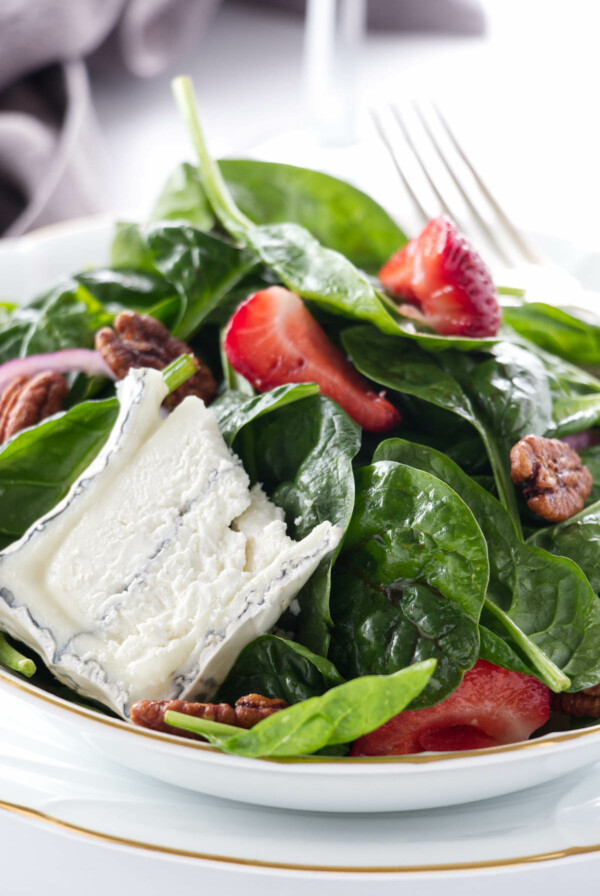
(442, 273)
(492, 706)
(272, 339)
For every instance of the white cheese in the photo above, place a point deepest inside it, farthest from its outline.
(160, 564)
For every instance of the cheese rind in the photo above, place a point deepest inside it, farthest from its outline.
(160, 564)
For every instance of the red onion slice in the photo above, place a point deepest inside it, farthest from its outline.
(85, 360)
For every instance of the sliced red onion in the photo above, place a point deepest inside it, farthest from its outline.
(85, 360)
(580, 440)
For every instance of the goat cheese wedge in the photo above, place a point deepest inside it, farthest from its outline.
(159, 565)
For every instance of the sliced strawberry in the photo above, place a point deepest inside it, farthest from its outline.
(492, 706)
(445, 276)
(272, 340)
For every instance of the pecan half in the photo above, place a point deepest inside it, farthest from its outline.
(27, 400)
(139, 340)
(554, 481)
(583, 703)
(247, 712)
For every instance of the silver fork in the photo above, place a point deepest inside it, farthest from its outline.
(439, 177)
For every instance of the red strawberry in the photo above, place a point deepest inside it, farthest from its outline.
(272, 339)
(445, 276)
(492, 706)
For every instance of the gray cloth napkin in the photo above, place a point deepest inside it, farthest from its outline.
(46, 123)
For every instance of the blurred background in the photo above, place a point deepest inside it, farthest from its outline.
(88, 124)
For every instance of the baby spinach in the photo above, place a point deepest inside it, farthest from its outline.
(410, 580)
(38, 466)
(272, 193)
(203, 268)
(543, 604)
(299, 260)
(577, 538)
(276, 667)
(65, 317)
(234, 410)
(591, 458)
(557, 331)
(182, 198)
(339, 716)
(410, 370)
(302, 453)
(129, 250)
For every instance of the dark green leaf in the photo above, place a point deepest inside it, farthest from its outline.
(183, 199)
(66, 317)
(577, 538)
(38, 466)
(234, 410)
(410, 581)
(203, 268)
(302, 453)
(278, 668)
(340, 216)
(547, 598)
(314, 272)
(556, 331)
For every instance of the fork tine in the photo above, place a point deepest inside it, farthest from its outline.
(411, 144)
(522, 244)
(483, 224)
(391, 150)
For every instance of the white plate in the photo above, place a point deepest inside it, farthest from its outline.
(29, 266)
(63, 784)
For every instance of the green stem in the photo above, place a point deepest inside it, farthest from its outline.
(556, 680)
(216, 731)
(15, 660)
(504, 484)
(216, 189)
(178, 371)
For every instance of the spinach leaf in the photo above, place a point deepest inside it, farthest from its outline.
(234, 410)
(495, 649)
(410, 580)
(38, 466)
(272, 193)
(577, 538)
(298, 259)
(543, 604)
(276, 667)
(302, 453)
(65, 317)
(591, 458)
(334, 211)
(314, 272)
(129, 250)
(203, 268)
(339, 716)
(574, 413)
(146, 293)
(183, 199)
(557, 331)
(410, 370)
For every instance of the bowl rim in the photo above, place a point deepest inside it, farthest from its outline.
(553, 739)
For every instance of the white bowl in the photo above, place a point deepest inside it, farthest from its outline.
(29, 265)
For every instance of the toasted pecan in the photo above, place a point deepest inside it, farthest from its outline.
(247, 712)
(28, 400)
(555, 483)
(139, 340)
(581, 704)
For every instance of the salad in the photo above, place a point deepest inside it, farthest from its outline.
(365, 380)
